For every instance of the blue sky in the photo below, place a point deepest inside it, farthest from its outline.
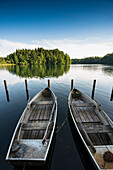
(81, 28)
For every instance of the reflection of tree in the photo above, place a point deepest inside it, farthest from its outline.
(108, 70)
(38, 71)
(92, 67)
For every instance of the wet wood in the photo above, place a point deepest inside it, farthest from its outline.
(83, 105)
(83, 131)
(48, 83)
(93, 89)
(86, 114)
(71, 84)
(27, 92)
(111, 95)
(36, 125)
(42, 103)
(49, 124)
(6, 89)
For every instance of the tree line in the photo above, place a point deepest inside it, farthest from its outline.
(107, 59)
(38, 56)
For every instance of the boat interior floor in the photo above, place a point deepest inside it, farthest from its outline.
(98, 155)
(36, 121)
(31, 149)
(99, 133)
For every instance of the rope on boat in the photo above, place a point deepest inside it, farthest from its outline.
(24, 167)
(61, 125)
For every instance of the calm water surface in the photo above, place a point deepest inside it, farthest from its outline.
(65, 154)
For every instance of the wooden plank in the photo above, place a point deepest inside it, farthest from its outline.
(41, 133)
(83, 131)
(36, 134)
(42, 113)
(49, 111)
(42, 103)
(94, 139)
(25, 135)
(101, 140)
(32, 135)
(34, 126)
(105, 138)
(93, 114)
(37, 117)
(49, 133)
(83, 104)
(45, 113)
(100, 131)
(98, 128)
(49, 123)
(32, 114)
(88, 114)
(82, 115)
(85, 113)
(78, 114)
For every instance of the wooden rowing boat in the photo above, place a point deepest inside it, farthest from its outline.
(94, 127)
(34, 132)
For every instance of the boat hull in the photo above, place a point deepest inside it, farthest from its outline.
(86, 158)
(26, 163)
(82, 141)
(34, 147)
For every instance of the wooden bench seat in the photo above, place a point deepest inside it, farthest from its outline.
(33, 126)
(42, 103)
(98, 129)
(83, 105)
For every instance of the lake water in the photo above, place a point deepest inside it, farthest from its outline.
(65, 154)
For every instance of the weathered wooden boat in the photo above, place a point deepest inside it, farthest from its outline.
(33, 135)
(94, 128)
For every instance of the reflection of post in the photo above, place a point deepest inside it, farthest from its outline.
(27, 93)
(48, 83)
(93, 90)
(111, 95)
(71, 84)
(6, 89)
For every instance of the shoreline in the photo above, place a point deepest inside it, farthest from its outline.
(6, 64)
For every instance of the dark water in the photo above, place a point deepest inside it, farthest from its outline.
(65, 154)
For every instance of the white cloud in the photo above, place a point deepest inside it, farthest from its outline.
(8, 47)
(93, 46)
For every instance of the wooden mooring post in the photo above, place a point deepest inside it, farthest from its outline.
(111, 95)
(48, 83)
(93, 89)
(27, 92)
(71, 84)
(6, 89)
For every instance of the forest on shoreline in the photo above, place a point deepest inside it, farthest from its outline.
(41, 56)
(36, 57)
(107, 59)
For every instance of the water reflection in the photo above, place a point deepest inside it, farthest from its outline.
(108, 70)
(40, 71)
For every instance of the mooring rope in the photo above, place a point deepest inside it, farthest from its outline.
(24, 167)
(61, 125)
